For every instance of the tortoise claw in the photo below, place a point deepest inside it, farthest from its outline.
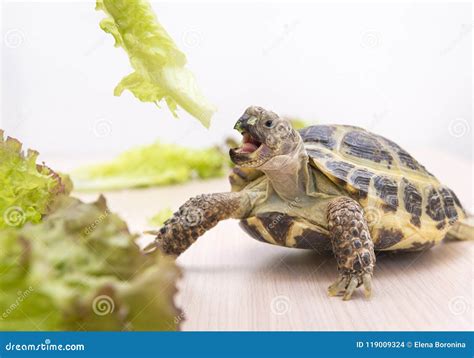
(346, 284)
(338, 287)
(353, 283)
(367, 282)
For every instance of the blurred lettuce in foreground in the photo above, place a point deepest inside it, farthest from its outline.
(67, 265)
(160, 72)
(151, 165)
(27, 189)
(80, 269)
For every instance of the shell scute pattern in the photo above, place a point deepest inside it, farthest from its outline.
(434, 206)
(413, 201)
(387, 190)
(361, 179)
(321, 134)
(404, 157)
(339, 168)
(449, 205)
(414, 207)
(284, 230)
(362, 159)
(361, 144)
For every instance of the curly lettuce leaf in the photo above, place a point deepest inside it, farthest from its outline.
(160, 72)
(152, 165)
(80, 269)
(27, 190)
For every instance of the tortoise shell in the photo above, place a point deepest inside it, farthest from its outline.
(405, 205)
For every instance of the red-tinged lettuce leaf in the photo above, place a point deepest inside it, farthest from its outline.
(80, 269)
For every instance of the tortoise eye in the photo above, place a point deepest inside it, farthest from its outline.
(269, 123)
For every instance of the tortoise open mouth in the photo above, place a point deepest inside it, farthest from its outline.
(249, 144)
(251, 153)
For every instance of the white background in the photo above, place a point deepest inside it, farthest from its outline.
(401, 70)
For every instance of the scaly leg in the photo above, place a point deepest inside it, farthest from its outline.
(196, 216)
(352, 246)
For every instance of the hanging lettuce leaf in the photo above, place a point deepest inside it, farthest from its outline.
(27, 190)
(152, 165)
(80, 269)
(160, 72)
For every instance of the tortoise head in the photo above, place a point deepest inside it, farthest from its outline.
(265, 136)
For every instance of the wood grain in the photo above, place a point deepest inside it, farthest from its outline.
(232, 282)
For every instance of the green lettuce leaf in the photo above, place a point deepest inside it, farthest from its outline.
(160, 72)
(80, 269)
(160, 217)
(27, 190)
(152, 165)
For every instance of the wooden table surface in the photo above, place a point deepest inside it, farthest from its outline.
(233, 282)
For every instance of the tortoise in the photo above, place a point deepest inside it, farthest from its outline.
(329, 188)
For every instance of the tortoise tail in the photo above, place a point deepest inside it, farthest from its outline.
(462, 229)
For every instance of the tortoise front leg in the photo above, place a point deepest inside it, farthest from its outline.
(352, 246)
(196, 216)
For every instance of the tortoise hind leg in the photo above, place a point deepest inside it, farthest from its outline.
(352, 246)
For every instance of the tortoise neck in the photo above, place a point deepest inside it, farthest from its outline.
(290, 178)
